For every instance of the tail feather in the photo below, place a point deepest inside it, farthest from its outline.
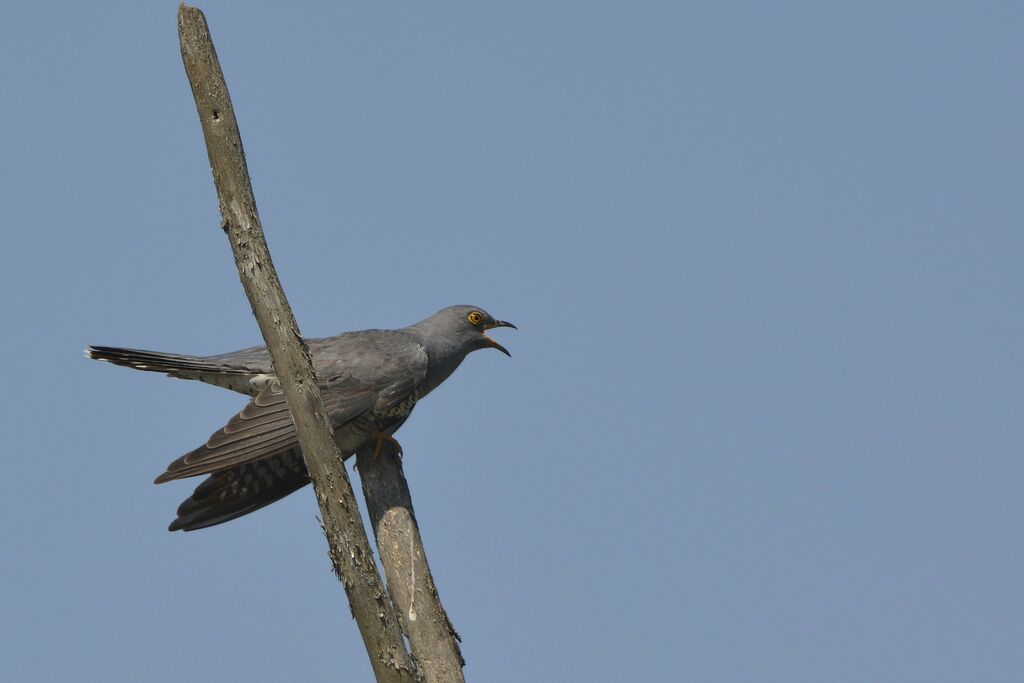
(240, 376)
(156, 361)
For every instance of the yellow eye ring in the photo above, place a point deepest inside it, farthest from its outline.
(475, 318)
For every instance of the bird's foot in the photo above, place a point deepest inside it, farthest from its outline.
(381, 438)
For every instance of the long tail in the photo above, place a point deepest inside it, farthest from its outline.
(234, 376)
(171, 363)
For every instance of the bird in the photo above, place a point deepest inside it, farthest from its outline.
(370, 381)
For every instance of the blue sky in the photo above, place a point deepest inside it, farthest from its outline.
(762, 419)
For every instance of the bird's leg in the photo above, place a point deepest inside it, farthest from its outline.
(381, 438)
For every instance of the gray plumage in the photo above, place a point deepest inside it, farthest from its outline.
(370, 382)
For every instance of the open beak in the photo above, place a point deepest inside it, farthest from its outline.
(491, 342)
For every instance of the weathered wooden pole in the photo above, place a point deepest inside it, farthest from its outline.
(348, 546)
(432, 638)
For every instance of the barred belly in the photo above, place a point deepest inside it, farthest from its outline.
(365, 427)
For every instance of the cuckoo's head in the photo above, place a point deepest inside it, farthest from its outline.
(466, 326)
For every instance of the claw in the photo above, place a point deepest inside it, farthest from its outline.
(381, 438)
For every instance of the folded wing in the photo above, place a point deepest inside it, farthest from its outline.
(264, 428)
(237, 491)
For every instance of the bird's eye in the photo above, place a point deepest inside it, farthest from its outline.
(475, 318)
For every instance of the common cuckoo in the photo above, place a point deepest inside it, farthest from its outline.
(370, 382)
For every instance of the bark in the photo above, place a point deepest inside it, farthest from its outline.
(349, 548)
(432, 638)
